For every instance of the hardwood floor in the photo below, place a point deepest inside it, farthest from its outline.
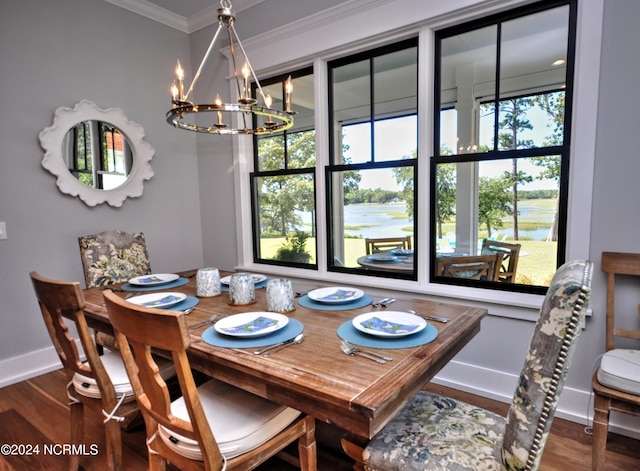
(36, 412)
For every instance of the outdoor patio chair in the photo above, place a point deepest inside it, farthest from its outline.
(510, 255)
(387, 243)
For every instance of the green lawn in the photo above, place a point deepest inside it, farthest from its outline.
(535, 266)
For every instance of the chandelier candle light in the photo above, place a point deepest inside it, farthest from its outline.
(246, 107)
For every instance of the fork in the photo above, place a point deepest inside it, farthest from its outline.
(353, 351)
(380, 303)
(356, 350)
(203, 323)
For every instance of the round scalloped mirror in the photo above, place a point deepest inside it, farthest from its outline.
(98, 155)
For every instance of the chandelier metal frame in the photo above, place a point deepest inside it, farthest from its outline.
(245, 108)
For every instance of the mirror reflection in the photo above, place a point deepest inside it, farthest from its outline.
(97, 154)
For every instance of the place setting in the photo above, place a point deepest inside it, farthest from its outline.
(267, 331)
(155, 286)
(387, 329)
(154, 282)
(335, 298)
(170, 300)
(255, 330)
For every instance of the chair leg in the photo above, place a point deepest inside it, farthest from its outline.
(76, 410)
(600, 430)
(156, 462)
(113, 437)
(307, 446)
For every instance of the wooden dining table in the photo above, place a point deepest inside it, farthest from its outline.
(353, 393)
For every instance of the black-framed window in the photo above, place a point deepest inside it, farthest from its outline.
(283, 182)
(502, 116)
(372, 173)
(97, 154)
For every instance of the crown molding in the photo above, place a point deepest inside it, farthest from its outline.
(153, 12)
(188, 25)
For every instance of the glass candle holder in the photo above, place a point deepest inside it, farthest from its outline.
(280, 295)
(242, 289)
(208, 282)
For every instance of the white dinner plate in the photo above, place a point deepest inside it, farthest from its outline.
(256, 279)
(251, 324)
(381, 258)
(335, 294)
(154, 279)
(389, 323)
(158, 300)
(401, 252)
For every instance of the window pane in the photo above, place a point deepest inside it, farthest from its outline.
(271, 152)
(483, 200)
(533, 59)
(115, 160)
(467, 77)
(533, 53)
(376, 203)
(395, 96)
(351, 86)
(529, 122)
(286, 218)
(396, 139)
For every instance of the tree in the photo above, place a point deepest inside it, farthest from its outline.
(514, 120)
(281, 197)
(554, 105)
(445, 195)
(405, 178)
(493, 201)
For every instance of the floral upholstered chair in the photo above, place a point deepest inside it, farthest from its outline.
(435, 432)
(113, 257)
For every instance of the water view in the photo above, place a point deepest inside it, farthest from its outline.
(391, 220)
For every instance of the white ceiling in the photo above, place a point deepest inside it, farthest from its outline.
(185, 15)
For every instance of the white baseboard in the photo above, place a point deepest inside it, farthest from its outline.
(23, 367)
(497, 385)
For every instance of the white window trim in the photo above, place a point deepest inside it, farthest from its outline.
(330, 34)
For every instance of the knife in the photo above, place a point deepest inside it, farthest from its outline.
(428, 317)
(275, 345)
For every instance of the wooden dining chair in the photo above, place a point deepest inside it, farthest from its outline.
(435, 432)
(510, 255)
(387, 243)
(616, 383)
(470, 267)
(213, 426)
(101, 383)
(113, 257)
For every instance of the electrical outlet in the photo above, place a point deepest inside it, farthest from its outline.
(3, 230)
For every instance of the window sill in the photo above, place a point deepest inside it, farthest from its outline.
(523, 306)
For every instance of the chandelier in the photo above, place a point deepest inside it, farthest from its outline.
(220, 116)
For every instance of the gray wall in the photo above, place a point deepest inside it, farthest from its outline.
(54, 53)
